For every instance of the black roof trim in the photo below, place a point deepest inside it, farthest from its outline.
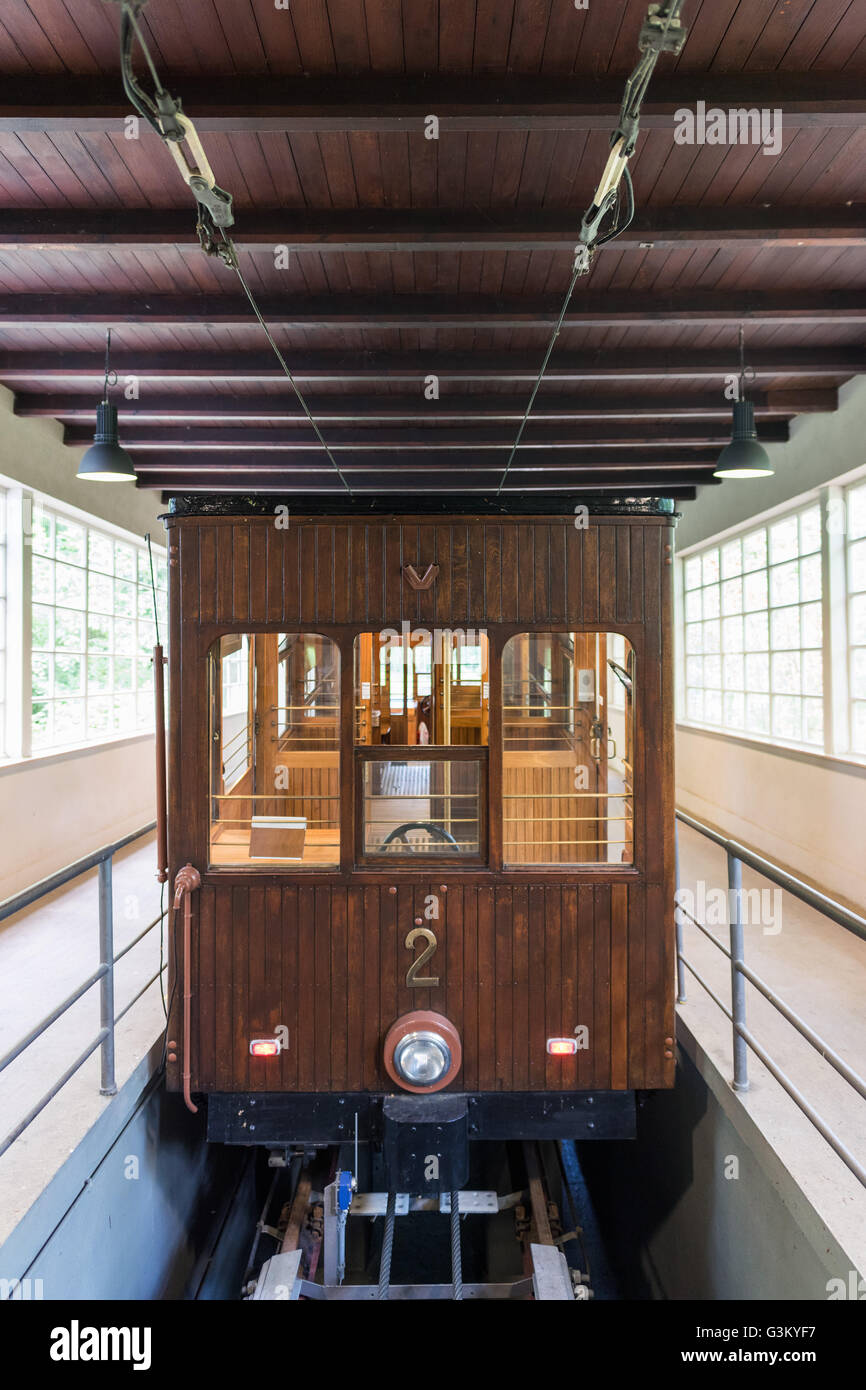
(338, 504)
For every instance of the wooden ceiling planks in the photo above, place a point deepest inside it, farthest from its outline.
(463, 297)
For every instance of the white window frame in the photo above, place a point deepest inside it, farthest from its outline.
(835, 604)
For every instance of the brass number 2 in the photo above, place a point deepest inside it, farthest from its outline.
(413, 979)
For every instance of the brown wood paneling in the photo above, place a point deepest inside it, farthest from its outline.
(521, 957)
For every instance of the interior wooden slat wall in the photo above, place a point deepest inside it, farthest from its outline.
(523, 954)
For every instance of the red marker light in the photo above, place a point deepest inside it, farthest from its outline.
(562, 1047)
(265, 1047)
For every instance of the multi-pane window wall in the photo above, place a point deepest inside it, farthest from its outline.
(92, 633)
(773, 627)
(753, 631)
(855, 514)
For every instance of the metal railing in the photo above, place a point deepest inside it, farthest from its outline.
(101, 859)
(737, 855)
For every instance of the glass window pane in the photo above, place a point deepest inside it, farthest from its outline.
(810, 578)
(124, 598)
(712, 673)
(755, 550)
(712, 605)
(810, 530)
(732, 634)
(786, 673)
(43, 626)
(692, 572)
(755, 632)
(856, 511)
(784, 584)
(712, 637)
(68, 675)
(69, 543)
(712, 707)
(813, 721)
(41, 677)
(275, 779)
(732, 558)
(857, 566)
(69, 630)
(69, 586)
(694, 670)
(758, 672)
(784, 628)
(710, 566)
(694, 606)
(100, 553)
(421, 808)
(813, 673)
(735, 711)
(732, 596)
(43, 531)
(124, 561)
(755, 591)
(43, 579)
(99, 634)
(734, 673)
(784, 540)
(758, 713)
(810, 625)
(694, 637)
(69, 723)
(787, 718)
(98, 674)
(567, 773)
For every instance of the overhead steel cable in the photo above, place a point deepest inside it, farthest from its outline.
(214, 204)
(655, 38)
(282, 361)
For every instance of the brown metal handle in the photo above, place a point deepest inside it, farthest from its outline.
(187, 881)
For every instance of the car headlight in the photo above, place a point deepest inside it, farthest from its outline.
(422, 1058)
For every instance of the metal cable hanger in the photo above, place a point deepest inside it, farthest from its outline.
(164, 115)
(662, 32)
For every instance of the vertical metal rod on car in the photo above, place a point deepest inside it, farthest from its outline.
(681, 969)
(738, 980)
(387, 1247)
(456, 1259)
(108, 1085)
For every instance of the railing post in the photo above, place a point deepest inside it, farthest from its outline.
(738, 981)
(681, 970)
(108, 1085)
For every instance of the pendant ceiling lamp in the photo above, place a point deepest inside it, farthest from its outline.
(744, 457)
(105, 461)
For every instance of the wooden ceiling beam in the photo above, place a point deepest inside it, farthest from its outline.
(432, 439)
(653, 461)
(341, 231)
(468, 482)
(626, 364)
(378, 311)
(364, 411)
(382, 103)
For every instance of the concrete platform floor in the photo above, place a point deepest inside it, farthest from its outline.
(819, 970)
(46, 952)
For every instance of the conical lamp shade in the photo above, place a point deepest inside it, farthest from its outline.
(105, 461)
(744, 457)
